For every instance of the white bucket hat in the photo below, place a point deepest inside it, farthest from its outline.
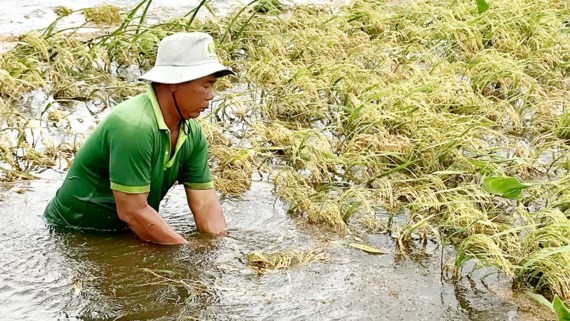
(185, 56)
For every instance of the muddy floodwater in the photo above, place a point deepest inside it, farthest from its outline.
(70, 276)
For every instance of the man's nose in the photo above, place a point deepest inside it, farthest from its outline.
(210, 95)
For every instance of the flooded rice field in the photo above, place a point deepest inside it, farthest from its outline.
(352, 127)
(53, 276)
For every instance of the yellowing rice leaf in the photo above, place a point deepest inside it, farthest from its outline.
(367, 248)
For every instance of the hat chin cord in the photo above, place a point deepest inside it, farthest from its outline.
(183, 121)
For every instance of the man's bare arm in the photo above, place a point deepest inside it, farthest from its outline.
(142, 219)
(207, 211)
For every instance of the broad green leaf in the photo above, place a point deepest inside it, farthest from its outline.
(482, 6)
(561, 310)
(507, 187)
(514, 194)
(502, 184)
(367, 248)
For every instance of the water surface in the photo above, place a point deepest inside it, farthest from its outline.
(22, 16)
(71, 276)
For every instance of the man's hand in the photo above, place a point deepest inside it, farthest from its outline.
(207, 211)
(147, 224)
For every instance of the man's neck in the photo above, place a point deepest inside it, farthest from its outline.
(167, 108)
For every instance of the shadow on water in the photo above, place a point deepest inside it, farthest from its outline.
(71, 276)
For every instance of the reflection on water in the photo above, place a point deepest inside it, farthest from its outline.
(69, 276)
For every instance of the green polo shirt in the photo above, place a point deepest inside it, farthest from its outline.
(129, 151)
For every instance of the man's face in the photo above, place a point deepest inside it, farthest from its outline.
(193, 97)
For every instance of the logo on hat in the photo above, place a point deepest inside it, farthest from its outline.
(211, 50)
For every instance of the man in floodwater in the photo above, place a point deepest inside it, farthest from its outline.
(146, 144)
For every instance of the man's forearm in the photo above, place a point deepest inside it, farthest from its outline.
(207, 211)
(214, 222)
(150, 226)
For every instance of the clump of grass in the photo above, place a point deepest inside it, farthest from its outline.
(508, 79)
(563, 129)
(546, 254)
(285, 259)
(307, 149)
(268, 6)
(307, 202)
(546, 270)
(486, 252)
(232, 169)
(538, 258)
(232, 166)
(62, 11)
(103, 15)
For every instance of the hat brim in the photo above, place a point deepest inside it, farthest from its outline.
(181, 74)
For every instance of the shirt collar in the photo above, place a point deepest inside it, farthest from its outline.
(162, 126)
(156, 108)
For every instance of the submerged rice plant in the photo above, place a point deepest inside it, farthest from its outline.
(283, 260)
